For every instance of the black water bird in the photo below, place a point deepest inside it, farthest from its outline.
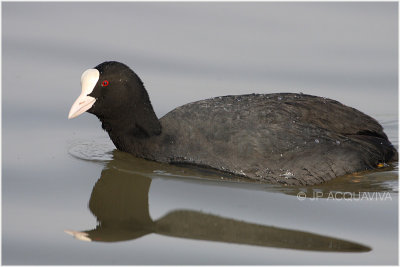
(278, 138)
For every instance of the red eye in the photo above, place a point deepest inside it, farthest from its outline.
(104, 83)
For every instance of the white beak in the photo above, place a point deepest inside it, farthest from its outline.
(79, 235)
(84, 102)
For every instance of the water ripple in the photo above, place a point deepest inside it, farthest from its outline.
(92, 150)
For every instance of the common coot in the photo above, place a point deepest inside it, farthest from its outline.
(278, 138)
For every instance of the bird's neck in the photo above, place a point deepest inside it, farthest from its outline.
(131, 132)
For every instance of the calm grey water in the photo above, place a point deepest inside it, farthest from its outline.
(61, 176)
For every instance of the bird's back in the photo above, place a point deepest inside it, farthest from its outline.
(279, 138)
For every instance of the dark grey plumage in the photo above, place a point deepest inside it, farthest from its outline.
(278, 138)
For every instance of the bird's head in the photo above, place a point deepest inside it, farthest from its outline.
(116, 95)
(107, 89)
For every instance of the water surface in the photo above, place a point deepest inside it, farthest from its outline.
(63, 178)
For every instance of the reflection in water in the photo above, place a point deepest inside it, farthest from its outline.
(119, 200)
